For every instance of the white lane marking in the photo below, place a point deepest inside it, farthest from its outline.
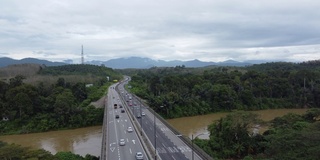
(130, 151)
(112, 149)
(133, 141)
(173, 157)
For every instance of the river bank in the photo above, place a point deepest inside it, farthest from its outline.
(87, 140)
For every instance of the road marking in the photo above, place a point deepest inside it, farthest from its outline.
(112, 149)
(173, 157)
(175, 149)
(170, 149)
(133, 141)
(130, 150)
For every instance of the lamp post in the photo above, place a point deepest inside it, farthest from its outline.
(192, 142)
(140, 117)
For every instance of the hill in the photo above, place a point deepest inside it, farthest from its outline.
(5, 61)
(143, 63)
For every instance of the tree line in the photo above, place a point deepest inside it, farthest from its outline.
(180, 91)
(29, 108)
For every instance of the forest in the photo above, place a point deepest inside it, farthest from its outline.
(26, 107)
(179, 91)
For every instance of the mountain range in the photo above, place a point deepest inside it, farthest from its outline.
(131, 62)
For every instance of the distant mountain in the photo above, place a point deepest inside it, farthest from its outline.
(138, 62)
(131, 62)
(5, 61)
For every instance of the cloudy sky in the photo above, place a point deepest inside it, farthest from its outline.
(208, 30)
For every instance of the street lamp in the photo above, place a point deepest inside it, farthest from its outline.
(140, 117)
(192, 142)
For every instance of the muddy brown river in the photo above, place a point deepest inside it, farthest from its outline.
(88, 140)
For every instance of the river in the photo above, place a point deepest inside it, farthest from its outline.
(88, 140)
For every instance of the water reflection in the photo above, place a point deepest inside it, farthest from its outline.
(79, 141)
(197, 125)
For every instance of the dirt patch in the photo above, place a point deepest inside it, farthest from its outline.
(99, 103)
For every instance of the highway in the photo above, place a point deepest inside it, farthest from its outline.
(155, 140)
(116, 129)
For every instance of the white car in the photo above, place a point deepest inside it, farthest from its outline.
(139, 155)
(130, 129)
(142, 113)
(122, 142)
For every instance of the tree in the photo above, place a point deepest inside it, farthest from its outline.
(16, 81)
(224, 97)
(64, 106)
(230, 137)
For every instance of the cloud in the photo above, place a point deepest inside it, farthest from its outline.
(176, 29)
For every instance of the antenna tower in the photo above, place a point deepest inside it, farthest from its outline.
(82, 59)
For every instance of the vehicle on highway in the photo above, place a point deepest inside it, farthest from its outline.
(130, 129)
(139, 155)
(115, 106)
(122, 111)
(121, 106)
(117, 116)
(138, 116)
(142, 113)
(122, 142)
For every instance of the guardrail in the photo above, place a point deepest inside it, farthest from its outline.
(103, 155)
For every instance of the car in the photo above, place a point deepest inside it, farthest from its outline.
(121, 106)
(139, 155)
(130, 129)
(142, 113)
(122, 142)
(138, 116)
(117, 116)
(122, 111)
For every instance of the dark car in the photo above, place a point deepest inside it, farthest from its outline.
(122, 111)
(117, 116)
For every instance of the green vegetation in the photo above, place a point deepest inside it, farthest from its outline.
(46, 106)
(16, 152)
(192, 91)
(289, 137)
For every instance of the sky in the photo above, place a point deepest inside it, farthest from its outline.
(207, 30)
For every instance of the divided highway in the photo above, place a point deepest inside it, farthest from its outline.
(157, 140)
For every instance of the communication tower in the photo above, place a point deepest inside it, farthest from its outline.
(82, 59)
